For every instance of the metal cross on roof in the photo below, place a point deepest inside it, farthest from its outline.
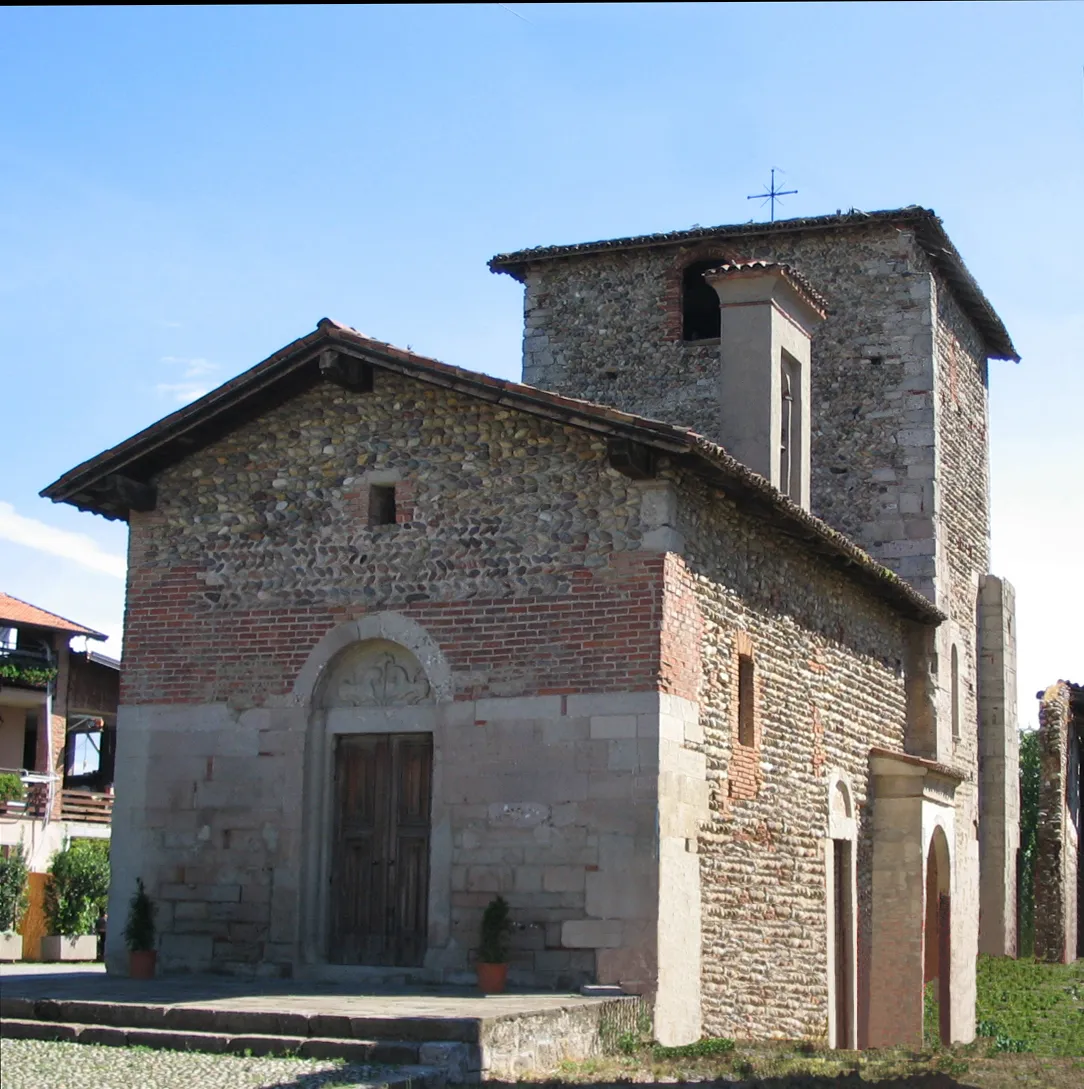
(772, 194)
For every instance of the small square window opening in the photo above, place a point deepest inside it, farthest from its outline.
(382, 505)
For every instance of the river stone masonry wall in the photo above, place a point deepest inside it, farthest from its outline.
(571, 770)
(900, 459)
(830, 684)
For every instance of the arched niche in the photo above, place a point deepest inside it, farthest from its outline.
(841, 820)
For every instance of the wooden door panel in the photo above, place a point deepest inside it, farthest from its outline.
(380, 878)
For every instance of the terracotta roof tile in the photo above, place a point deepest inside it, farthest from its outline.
(16, 612)
(795, 278)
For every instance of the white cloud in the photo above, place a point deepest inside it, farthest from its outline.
(193, 368)
(181, 392)
(196, 370)
(77, 547)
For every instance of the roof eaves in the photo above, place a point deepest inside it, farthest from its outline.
(929, 231)
(601, 419)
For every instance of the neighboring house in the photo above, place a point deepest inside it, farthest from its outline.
(58, 709)
(401, 636)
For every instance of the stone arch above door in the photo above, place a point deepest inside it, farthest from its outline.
(410, 638)
(376, 673)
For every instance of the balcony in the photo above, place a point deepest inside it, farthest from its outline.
(88, 806)
(25, 669)
(34, 802)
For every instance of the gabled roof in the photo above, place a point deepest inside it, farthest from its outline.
(106, 484)
(16, 613)
(929, 233)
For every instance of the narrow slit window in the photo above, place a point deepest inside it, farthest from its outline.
(382, 505)
(746, 735)
(955, 693)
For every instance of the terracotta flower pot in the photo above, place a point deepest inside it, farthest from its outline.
(141, 963)
(492, 978)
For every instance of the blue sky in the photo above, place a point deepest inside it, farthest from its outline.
(182, 191)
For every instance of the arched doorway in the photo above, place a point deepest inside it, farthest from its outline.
(937, 931)
(372, 893)
(841, 897)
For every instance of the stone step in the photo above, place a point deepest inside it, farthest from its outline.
(395, 1065)
(189, 1018)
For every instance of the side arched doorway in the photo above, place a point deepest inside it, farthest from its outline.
(842, 904)
(937, 931)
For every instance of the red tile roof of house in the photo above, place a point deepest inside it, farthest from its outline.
(17, 613)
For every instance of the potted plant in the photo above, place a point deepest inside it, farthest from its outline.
(74, 896)
(492, 963)
(139, 934)
(13, 881)
(12, 790)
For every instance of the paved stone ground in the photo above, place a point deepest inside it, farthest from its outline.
(358, 998)
(35, 1064)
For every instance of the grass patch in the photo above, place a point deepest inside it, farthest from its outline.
(1030, 1020)
(1028, 1005)
(703, 1049)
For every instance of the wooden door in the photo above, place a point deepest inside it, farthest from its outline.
(380, 867)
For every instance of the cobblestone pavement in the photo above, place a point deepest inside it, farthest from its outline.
(38, 1064)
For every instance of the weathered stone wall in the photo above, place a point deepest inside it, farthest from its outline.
(1057, 897)
(899, 444)
(606, 327)
(257, 544)
(999, 768)
(963, 537)
(518, 556)
(829, 685)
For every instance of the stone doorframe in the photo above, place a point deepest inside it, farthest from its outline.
(326, 719)
(842, 826)
(912, 798)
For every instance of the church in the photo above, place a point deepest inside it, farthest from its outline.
(687, 644)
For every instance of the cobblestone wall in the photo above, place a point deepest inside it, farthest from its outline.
(257, 545)
(829, 685)
(607, 327)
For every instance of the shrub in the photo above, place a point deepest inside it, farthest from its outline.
(495, 927)
(13, 881)
(79, 887)
(139, 929)
(11, 788)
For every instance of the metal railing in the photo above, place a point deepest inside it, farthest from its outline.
(25, 668)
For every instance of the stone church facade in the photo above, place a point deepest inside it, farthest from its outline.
(674, 645)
